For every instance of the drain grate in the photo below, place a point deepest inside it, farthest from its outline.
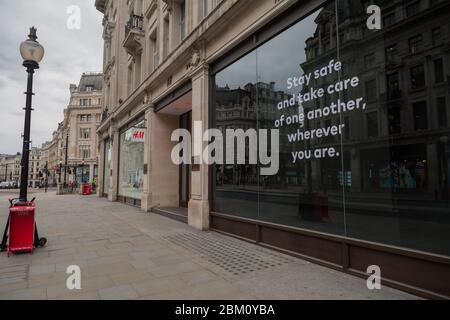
(234, 256)
(13, 274)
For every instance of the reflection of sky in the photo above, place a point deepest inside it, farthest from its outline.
(278, 59)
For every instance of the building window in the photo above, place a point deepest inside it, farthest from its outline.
(389, 20)
(420, 115)
(415, 44)
(85, 118)
(438, 71)
(85, 133)
(371, 90)
(85, 151)
(347, 128)
(369, 60)
(391, 53)
(183, 19)
(154, 50)
(436, 36)
(89, 88)
(442, 112)
(417, 77)
(205, 8)
(372, 124)
(413, 9)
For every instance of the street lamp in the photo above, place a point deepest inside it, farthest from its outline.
(32, 53)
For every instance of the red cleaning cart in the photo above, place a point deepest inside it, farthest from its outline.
(87, 189)
(23, 235)
(21, 227)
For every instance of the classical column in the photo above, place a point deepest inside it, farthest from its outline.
(146, 203)
(91, 172)
(101, 162)
(114, 171)
(199, 206)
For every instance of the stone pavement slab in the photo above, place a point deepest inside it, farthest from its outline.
(124, 253)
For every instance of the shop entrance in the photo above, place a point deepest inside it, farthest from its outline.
(185, 169)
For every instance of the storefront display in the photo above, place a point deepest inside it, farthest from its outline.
(131, 161)
(363, 148)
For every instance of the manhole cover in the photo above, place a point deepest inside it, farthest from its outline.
(234, 256)
(13, 274)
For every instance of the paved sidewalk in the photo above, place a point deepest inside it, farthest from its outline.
(125, 253)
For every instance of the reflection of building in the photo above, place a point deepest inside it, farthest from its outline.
(397, 142)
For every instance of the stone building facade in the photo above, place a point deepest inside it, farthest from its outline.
(362, 198)
(72, 155)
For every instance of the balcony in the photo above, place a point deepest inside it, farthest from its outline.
(134, 34)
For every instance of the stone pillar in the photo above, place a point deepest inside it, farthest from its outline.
(114, 172)
(146, 203)
(101, 162)
(199, 206)
(91, 172)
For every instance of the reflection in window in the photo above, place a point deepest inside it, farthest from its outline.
(372, 124)
(417, 77)
(376, 189)
(420, 115)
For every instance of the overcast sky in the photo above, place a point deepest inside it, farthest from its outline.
(68, 53)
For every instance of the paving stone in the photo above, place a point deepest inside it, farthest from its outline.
(125, 292)
(25, 294)
(125, 254)
(158, 286)
(42, 269)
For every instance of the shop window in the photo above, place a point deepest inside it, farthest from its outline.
(131, 161)
(388, 188)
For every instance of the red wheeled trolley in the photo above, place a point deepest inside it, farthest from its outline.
(87, 189)
(23, 235)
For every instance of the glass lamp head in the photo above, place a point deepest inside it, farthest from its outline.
(31, 50)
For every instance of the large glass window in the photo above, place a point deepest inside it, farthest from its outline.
(131, 170)
(363, 152)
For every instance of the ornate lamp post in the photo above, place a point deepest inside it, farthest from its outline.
(32, 53)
